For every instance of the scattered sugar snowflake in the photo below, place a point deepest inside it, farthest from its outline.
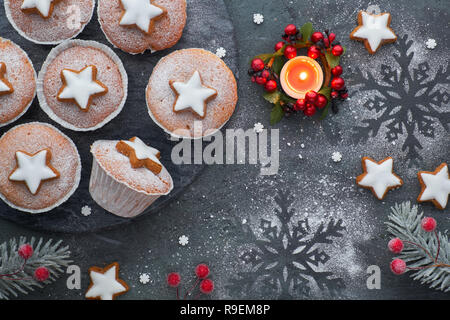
(258, 127)
(258, 18)
(183, 240)
(144, 278)
(431, 43)
(336, 156)
(302, 146)
(221, 52)
(300, 156)
(86, 211)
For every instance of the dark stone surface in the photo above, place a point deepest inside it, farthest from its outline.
(224, 212)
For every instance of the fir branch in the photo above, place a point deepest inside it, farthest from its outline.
(405, 223)
(51, 255)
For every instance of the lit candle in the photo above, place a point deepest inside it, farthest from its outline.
(300, 75)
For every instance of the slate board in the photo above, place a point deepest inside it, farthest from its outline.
(204, 23)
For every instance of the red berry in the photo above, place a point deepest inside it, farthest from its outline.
(311, 96)
(265, 74)
(331, 37)
(313, 52)
(25, 251)
(334, 94)
(321, 101)
(290, 52)
(300, 104)
(271, 86)
(326, 42)
(206, 286)
(395, 245)
(337, 71)
(202, 271)
(310, 111)
(41, 274)
(253, 78)
(337, 50)
(290, 29)
(398, 266)
(257, 64)
(337, 83)
(260, 80)
(428, 224)
(316, 36)
(344, 95)
(173, 279)
(279, 45)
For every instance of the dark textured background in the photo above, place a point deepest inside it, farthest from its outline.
(222, 211)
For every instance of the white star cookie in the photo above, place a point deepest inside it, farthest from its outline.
(105, 283)
(378, 176)
(435, 186)
(374, 30)
(140, 13)
(192, 94)
(33, 169)
(5, 85)
(43, 7)
(81, 86)
(140, 154)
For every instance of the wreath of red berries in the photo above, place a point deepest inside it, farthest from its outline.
(265, 70)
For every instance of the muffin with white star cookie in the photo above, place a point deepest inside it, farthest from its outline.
(135, 26)
(191, 93)
(49, 21)
(127, 176)
(17, 82)
(82, 85)
(41, 167)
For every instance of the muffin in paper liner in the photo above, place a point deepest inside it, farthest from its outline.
(118, 187)
(68, 20)
(31, 138)
(76, 55)
(22, 75)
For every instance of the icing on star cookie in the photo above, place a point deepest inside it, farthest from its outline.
(43, 7)
(32, 169)
(378, 176)
(5, 85)
(81, 87)
(435, 186)
(105, 283)
(374, 30)
(192, 94)
(141, 13)
(140, 154)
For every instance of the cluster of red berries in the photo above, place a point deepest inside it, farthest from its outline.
(26, 252)
(262, 75)
(202, 273)
(309, 104)
(396, 245)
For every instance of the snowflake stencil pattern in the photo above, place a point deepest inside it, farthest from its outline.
(409, 102)
(286, 260)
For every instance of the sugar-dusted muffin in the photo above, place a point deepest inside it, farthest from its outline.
(191, 93)
(82, 85)
(41, 167)
(17, 82)
(139, 25)
(49, 21)
(127, 176)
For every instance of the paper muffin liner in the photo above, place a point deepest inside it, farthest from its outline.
(69, 194)
(34, 95)
(53, 54)
(117, 197)
(24, 35)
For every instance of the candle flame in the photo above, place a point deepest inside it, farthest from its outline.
(303, 75)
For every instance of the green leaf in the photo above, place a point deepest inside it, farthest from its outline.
(280, 52)
(272, 97)
(306, 30)
(265, 56)
(326, 91)
(278, 64)
(285, 98)
(332, 60)
(277, 114)
(325, 110)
